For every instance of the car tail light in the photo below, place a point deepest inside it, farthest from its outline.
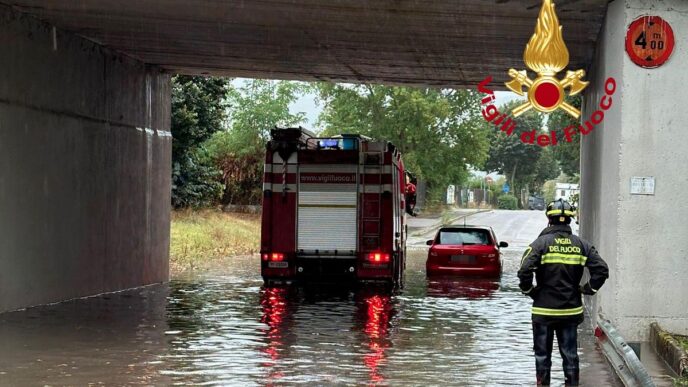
(378, 257)
(276, 257)
(489, 257)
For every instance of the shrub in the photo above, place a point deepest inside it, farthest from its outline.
(507, 202)
(195, 182)
(240, 156)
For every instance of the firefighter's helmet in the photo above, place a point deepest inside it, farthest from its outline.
(560, 211)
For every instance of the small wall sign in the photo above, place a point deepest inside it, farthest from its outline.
(642, 185)
(649, 41)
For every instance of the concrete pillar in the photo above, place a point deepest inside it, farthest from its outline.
(643, 238)
(84, 167)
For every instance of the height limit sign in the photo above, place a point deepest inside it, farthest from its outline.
(649, 41)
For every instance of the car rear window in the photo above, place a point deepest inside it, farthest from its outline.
(463, 237)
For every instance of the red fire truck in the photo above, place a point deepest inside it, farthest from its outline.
(332, 207)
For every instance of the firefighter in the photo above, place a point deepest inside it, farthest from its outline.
(410, 196)
(557, 258)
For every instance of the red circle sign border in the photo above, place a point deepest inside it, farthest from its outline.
(670, 42)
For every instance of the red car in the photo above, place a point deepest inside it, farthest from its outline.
(465, 250)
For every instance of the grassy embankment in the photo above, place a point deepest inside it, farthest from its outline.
(203, 236)
(683, 342)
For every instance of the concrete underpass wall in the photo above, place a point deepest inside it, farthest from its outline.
(84, 167)
(643, 238)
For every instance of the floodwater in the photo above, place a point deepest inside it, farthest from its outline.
(224, 328)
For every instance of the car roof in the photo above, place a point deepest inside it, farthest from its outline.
(462, 226)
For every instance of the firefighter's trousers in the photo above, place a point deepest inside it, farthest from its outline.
(567, 339)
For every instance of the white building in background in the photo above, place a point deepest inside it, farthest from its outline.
(565, 191)
(451, 194)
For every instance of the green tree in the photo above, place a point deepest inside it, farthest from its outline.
(198, 110)
(259, 105)
(548, 190)
(256, 106)
(566, 153)
(513, 158)
(546, 168)
(439, 132)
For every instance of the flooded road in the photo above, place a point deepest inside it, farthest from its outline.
(224, 328)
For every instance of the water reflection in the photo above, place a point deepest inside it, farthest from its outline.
(375, 314)
(461, 287)
(273, 302)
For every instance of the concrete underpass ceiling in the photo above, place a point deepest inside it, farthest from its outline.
(449, 43)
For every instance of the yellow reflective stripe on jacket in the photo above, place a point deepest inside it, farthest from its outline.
(558, 212)
(566, 259)
(525, 254)
(557, 312)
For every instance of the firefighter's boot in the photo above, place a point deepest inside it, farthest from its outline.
(571, 377)
(542, 377)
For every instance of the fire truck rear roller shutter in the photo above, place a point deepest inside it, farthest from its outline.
(327, 207)
(327, 227)
(325, 199)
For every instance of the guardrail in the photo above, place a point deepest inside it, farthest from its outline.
(622, 357)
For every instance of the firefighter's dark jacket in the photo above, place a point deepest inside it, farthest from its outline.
(557, 258)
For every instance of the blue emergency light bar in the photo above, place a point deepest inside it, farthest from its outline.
(328, 144)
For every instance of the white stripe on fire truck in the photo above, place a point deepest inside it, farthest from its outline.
(327, 205)
(368, 188)
(277, 168)
(386, 169)
(328, 168)
(291, 168)
(375, 188)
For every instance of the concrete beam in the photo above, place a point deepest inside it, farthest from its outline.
(84, 167)
(422, 42)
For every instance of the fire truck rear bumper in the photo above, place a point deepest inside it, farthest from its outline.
(349, 268)
(329, 268)
(319, 267)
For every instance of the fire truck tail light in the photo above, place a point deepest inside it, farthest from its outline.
(274, 257)
(378, 257)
